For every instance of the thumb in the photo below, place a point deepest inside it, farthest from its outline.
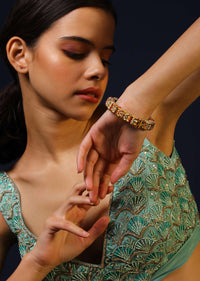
(97, 229)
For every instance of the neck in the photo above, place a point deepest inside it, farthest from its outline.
(52, 141)
(51, 136)
(55, 138)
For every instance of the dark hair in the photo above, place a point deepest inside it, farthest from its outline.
(28, 19)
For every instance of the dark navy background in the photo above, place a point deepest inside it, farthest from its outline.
(145, 30)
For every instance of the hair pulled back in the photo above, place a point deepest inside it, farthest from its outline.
(28, 19)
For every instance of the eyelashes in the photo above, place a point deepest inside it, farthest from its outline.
(75, 56)
(80, 56)
(106, 62)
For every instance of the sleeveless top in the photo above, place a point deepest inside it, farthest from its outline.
(154, 223)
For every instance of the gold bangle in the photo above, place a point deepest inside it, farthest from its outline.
(128, 117)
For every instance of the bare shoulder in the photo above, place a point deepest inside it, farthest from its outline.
(6, 240)
(189, 271)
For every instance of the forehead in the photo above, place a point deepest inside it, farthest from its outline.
(87, 22)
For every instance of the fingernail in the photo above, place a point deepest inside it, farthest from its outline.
(79, 171)
(86, 234)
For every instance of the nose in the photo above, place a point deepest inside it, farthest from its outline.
(96, 70)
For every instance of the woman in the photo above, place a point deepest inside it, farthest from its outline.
(67, 48)
(63, 73)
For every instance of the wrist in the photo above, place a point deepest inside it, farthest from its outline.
(29, 269)
(134, 101)
(38, 269)
(136, 122)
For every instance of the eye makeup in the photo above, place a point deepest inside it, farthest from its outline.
(105, 56)
(85, 42)
(74, 55)
(78, 48)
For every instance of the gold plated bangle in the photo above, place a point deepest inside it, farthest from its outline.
(128, 117)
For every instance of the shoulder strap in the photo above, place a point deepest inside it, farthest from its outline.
(10, 207)
(9, 202)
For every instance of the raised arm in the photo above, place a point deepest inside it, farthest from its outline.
(111, 146)
(178, 62)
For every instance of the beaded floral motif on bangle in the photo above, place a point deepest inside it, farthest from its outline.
(128, 117)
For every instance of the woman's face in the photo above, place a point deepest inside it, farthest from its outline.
(68, 70)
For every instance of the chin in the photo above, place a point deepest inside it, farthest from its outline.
(82, 116)
(88, 115)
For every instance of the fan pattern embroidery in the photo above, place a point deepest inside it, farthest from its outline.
(152, 212)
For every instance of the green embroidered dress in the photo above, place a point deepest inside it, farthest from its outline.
(154, 225)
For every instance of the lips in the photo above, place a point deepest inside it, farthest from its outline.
(90, 91)
(90, 94)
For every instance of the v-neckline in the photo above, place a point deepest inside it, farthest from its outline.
(25, 227)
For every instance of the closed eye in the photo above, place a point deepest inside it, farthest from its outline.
(80, 56)
(75, 56)
(105, 62)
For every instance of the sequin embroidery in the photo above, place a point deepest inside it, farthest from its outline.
(152, 214)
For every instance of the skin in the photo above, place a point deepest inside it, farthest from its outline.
(53, 113)
(141, 99)
(164, 94)
(48, 115)
(49, 109)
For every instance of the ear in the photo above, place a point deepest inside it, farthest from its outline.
(18, 54)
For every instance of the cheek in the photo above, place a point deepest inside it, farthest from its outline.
(52, 71)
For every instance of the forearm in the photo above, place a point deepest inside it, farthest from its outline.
(29, 270)
(147, 92)
(182, 96)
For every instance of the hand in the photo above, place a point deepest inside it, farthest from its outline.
(107, 153)
(62, 239)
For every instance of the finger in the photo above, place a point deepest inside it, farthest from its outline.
(55, 224)
(91, 160)
(103, 189)
(105, 181)
(72, 201)
(84, 148)
(78, 189)
(122, 168)
(110, 188)
(97, 229)
(102, 179)
(97, 173)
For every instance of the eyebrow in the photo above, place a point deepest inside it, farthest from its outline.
(86, 41)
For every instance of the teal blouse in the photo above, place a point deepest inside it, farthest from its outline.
(154, 223)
